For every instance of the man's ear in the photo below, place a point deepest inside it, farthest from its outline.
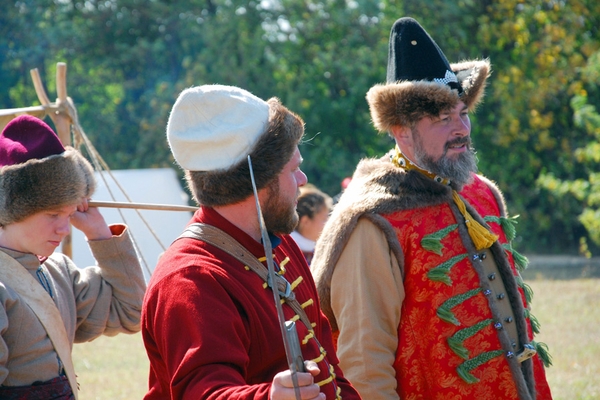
(402, 135)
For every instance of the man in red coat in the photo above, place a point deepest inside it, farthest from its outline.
(438, 309)
(209, 321)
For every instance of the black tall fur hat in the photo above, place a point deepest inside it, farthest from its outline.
(36, 172)
(213, 128)
(421, 81)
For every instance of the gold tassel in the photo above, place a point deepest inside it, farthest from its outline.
(482, 238)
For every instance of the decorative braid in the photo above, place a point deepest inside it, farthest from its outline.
(535, 323)
(465, 368)
(440, 273)
(456, 341)
(521, 262)
(543, 353)
(444, 311)
(527, 290)
(432, 242)
(507, 224)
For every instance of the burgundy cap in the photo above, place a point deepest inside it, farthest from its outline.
(27, 137)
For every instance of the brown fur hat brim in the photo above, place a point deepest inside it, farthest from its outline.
(274, 149)
(404, 103)
(42, 184)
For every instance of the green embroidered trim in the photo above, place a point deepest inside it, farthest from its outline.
(521, 262)
(507, 224)
(543, 353)
(444, 312)
(432, 242)
(464, 368)
(535, 323)
(527, 290)
(456, 341)
(440, 273)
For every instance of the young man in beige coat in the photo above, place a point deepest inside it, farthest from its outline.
(46, 302)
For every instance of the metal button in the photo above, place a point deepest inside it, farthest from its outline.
(508, 319)
(514, 344)
(483, 256)
(492, 276)
(475, 257)
(501, 296)
(510, 354)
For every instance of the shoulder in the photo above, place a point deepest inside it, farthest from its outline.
(481, 183)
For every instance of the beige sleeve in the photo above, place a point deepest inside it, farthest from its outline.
(366, 296)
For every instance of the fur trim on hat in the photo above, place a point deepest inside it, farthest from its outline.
(405, 102)
(273, 150)
(42, 184)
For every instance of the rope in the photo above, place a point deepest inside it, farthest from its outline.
(101, 166)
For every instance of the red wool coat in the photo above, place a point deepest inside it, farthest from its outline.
(210, 326)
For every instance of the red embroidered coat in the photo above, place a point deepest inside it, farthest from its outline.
(210, 325)
(458, 319)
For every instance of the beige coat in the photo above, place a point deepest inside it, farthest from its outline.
(98, 300)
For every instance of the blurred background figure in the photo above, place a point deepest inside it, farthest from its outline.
(344, 184)
(313, 209)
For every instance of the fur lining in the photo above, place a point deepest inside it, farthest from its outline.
(406, 102)
(38, 185)
(273, 150)
(476, 73)
(377, 188)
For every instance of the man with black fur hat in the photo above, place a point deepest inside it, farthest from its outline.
(209, 321)
(415, 268)
(46, 302)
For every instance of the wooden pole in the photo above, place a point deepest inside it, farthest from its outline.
(60, 117)
(141, 206)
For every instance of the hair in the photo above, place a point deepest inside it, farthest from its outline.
(273, 150)
(311, 201)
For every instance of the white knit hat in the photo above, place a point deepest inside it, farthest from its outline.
(213, 127)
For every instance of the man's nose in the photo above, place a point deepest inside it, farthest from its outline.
(461, 127)
(301, 178)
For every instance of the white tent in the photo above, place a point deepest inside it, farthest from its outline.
(159, 186)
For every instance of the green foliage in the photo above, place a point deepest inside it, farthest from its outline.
(128, 60)
(585, 190)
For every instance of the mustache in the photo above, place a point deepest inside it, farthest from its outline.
(459, 141)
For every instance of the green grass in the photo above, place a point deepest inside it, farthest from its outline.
(112, 368)
(568, 310)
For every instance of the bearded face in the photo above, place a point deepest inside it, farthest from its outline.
(279, 211)
(458, 170)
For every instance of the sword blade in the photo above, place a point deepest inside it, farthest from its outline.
(271, 268)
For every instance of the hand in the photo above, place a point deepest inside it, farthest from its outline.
(282, 387)
(89, 221)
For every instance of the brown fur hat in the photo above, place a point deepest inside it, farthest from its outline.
(37, 173)
(273, 149)
(420, 81)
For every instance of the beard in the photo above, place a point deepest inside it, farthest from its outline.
(459, 171)
(279, 213)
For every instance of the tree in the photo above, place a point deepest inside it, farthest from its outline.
(585, 190)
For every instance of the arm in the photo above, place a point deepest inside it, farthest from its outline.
(366, 296)
(108, 297)
(3, 346)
